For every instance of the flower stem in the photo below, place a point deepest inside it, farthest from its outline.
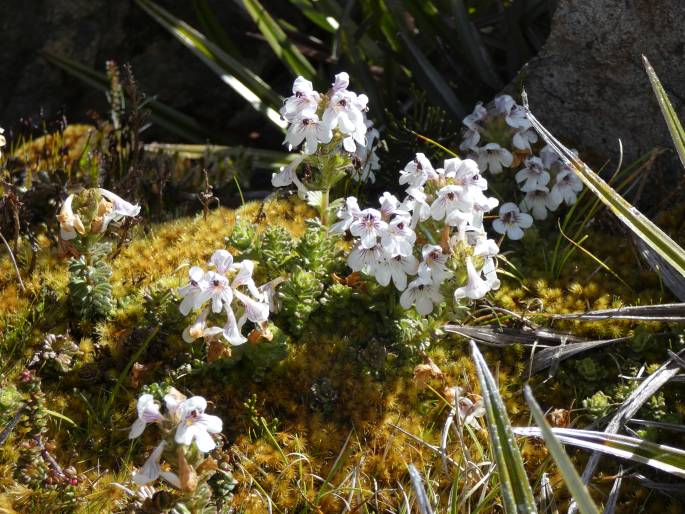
(324, 207)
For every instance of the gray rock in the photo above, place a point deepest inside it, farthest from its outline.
(588, 84)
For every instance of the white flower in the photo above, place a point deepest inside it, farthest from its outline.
(347, 215)
(200, 329)
(423, 292)
(195, 424)
(512, 221)
(244, 278)
(396, 268)
(389, 204)
(472, 121)
(304, 99)
(218, 290)
(567, 186)
(469, 411)
(539, 201)
(151, 470)
(3, 141)
(481, 205)
(465, 173)
(342, 80)
(307, 127)
(533, 175)
(524, 138)
(368, 226)
(492, 157)
(120, 209)
(449, 198)
(398, 238)
(485, 247)
(434, 265)
(365, 259)
(287, 175)
(415, 202)
(232, 330)
(255, 310)
(548, 156)
(470, 140)
(489, 271)
(69, 223)
(475, 287)
(345, 112)
(514, 114)
(190, 292)
(222, 261)
(148, 412)
(417, 172)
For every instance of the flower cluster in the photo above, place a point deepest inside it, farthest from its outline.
(183, 423)
(326, 124)
(434, 231)
(98, 208)
(501, 137)
(218, 288)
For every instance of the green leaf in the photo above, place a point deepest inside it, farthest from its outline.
(172, 120)
(642, 226)
(568, 471)
(664, 458)
(672, 121)
(474, 48)
(243, 81)
(213, 29)
(284, 49)
(517, 495)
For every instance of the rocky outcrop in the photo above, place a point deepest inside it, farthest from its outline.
(588, 84)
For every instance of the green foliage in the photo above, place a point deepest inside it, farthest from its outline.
(243, 237)
(275, 250)
(598, 405)
(89, 289)
(316, 249)
(300, 295)
(590, 370)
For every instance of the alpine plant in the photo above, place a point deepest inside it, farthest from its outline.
(500, 138)
(227, 289)
(432, 242)
(334, 137)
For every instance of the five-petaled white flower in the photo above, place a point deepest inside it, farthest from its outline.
(368, 227)
(434, 265)
(148, 412)
(533, 175)
(398, 238)
(365, 259)
(307, 127)
(567, 186)
(346, 216)
(396, 268)
(190, 292)
(415, 202)
(422, 292)
(196, 425)
(304, 99)
(492, 157)
(417, 172)
(524, 138)
(218, 290)
(449, 198)
(512, 221)
(539, 201)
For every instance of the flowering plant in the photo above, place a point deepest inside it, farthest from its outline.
(179, 457)
(336, 138)
(214, 291)
(432, 235)
(501, 137)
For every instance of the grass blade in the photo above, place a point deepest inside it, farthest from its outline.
(642, 226)
(658, 456)
(284, 49)
(672, 121)
(421, 496)
(243, 81)
(568, 471)
(167, 117)
(517, 496)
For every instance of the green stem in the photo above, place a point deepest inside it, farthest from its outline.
(324, 207)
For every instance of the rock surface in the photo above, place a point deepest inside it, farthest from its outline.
(588, 84)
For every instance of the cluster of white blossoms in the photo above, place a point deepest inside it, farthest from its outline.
(443, 207)
(110, 209)
(501, 138)
(215, 291)
(184, 422)
(336, 119)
